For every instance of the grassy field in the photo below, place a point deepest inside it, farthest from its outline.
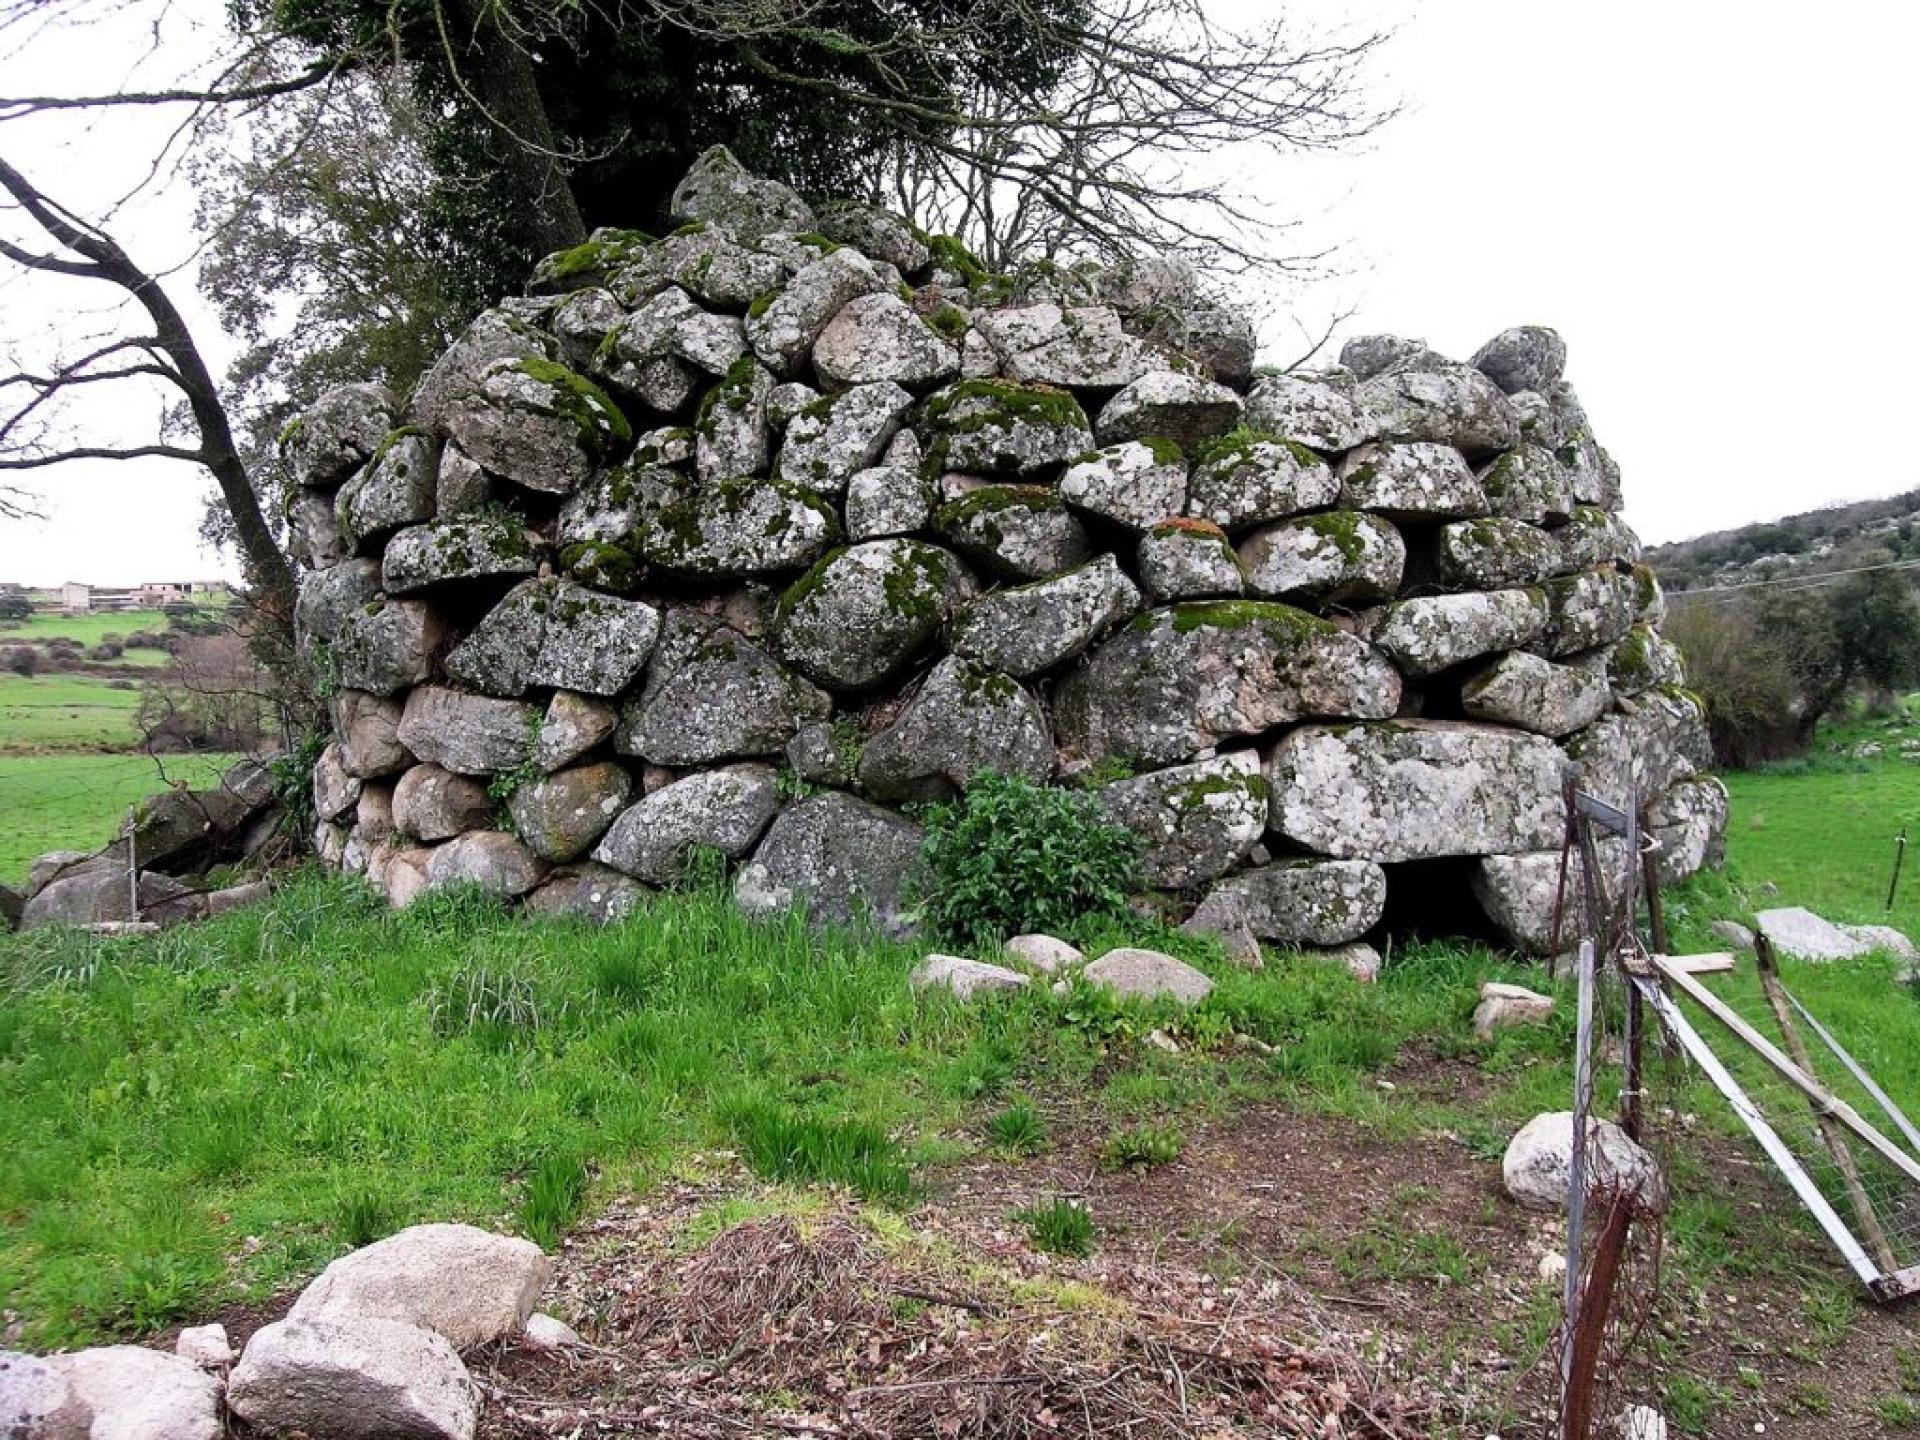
(60, 802)
(85, 630)
(54, 712)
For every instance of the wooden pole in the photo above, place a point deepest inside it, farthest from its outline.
(1830, 1133)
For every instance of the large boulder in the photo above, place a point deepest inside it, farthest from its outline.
(962, 721)
(1528, 484)
(668, 325)
(554, 633)
(1136, 483)
(1414, 481)
(587, 891)
(1339, 557)
(783, 325)
(1029, 628)
(96, 891)
(862, 613)
(1690, 822)
(837, 859)
(1593, 537)
(963, 978)
(430, 803)
(467, 1285)
(1527, 357)
(1492, 552)
(712, 694)
(1455, 406)
(1147, 975)
(1522, 895)
(355, 1378)
(719, 192)
(708, 264)
(1249, 481)
(539, 424)
(472, 547)
(997, 427)
(559, 816)
(888, 500)
(732, 433)
(468, 734)
(37, 1402)
(1415, 790)
(336, 434)
(572, 726)
(1661, 739)
(725, 810)
(879, 337)
(327, 597)
(1538, 1166)
(1313, 410)
(1178, 680)
(458, 375)
(1797, 932)
(738, 527)
(367, 729)
(394, 488)
(334, 791)
(1194, 821)
(1184, 559)
(1298, 902)
(134, 1393)
(1186, 409)
(835, 438)
(1591, 609)
(490, 859)
(1533, 693)
(1023, 532)
(387, 646)
(1049, 345)
(1431, 633)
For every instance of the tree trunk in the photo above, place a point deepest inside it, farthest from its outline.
(498, 74)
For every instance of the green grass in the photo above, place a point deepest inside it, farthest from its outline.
(1058, 1226)
(77, 802)
(56, 712)
(84, 630)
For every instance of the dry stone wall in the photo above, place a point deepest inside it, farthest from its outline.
(749, 537)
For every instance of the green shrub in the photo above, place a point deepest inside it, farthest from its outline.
(1018, 1128)
(1059, 1226)
(1148, 1144)
(1010, 856)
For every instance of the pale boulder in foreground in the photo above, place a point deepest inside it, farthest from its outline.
(356, 1378)
(1539, 1160)
(462, 1283)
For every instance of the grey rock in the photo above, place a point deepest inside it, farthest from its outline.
(1049, 345)
(96, 892)
(1250, 482)
(1492, 552)
(355, 1379)
(1454, 405)
(559, 634)
(1044, 954)
(560, 816)
(1533, 693)
(788, 399)
(313, 531)
(583, 320)
(962, 721)
(1733, 934)
(430, 803)
(887, 500)
(834, 439)
(573, 725)
(1431, 633)
(49, 867)
(1797, 932)
(839, 860)
(1187, 409)
(823, 755)
(734, 437)
(609, 504)
(1139, 284)
(963, 978)
(1690, 822)
(1593, 536)
(1218, 338)
(1591, 609)
(1565, 429)
(1339, 557)
(544, 1333)
(468, 734)
(206, 1346)
(1029, 628)
(1024, 532)
(1504, 1007)
(1661, 739)
(327, 597)
(997, 427)
(709, 265)
(12, 903)
(459, 374)
(133, 1393)
(490, 859)
(878, 337)
(1148, 975)
(334, 791)
(1195, 822)
(726, 810)
(588, 891)
(1888, 940)
(395, 488)
(784, 331)
(1527, 357)
(719, 192)
(739, 527)
(1537, 1168)
(1136, 483)
(1311, 410)
(450, 551)
(1528, 484)
(539, 425)
(1370, 355)
(366, 728)
(665, 447)
(1188, 560)
(400, 874)
(383, 648)
(876, 232)
(1416, 481)
(668, 325)
(1299, 902)
(1415, 790)
(37, 1403)
(862, 613)
(1360, 961)
(1521, 894)
(1185, 678)
(711, 694)
(336, 434)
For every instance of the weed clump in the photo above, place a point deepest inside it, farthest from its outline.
(1058, 1226)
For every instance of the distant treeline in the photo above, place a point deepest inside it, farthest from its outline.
(1860, 532)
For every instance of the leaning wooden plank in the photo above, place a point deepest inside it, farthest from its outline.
(1710, 1065)
(1715, 962)
(1830, 1103)
(1831, 1136)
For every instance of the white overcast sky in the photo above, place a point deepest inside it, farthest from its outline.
(1711, 200)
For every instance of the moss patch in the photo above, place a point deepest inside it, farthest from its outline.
(602, 426)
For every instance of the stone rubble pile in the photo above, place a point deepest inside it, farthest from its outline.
(747, 537)
(370, 1351)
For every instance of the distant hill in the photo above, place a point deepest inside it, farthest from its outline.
(1863, 532)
